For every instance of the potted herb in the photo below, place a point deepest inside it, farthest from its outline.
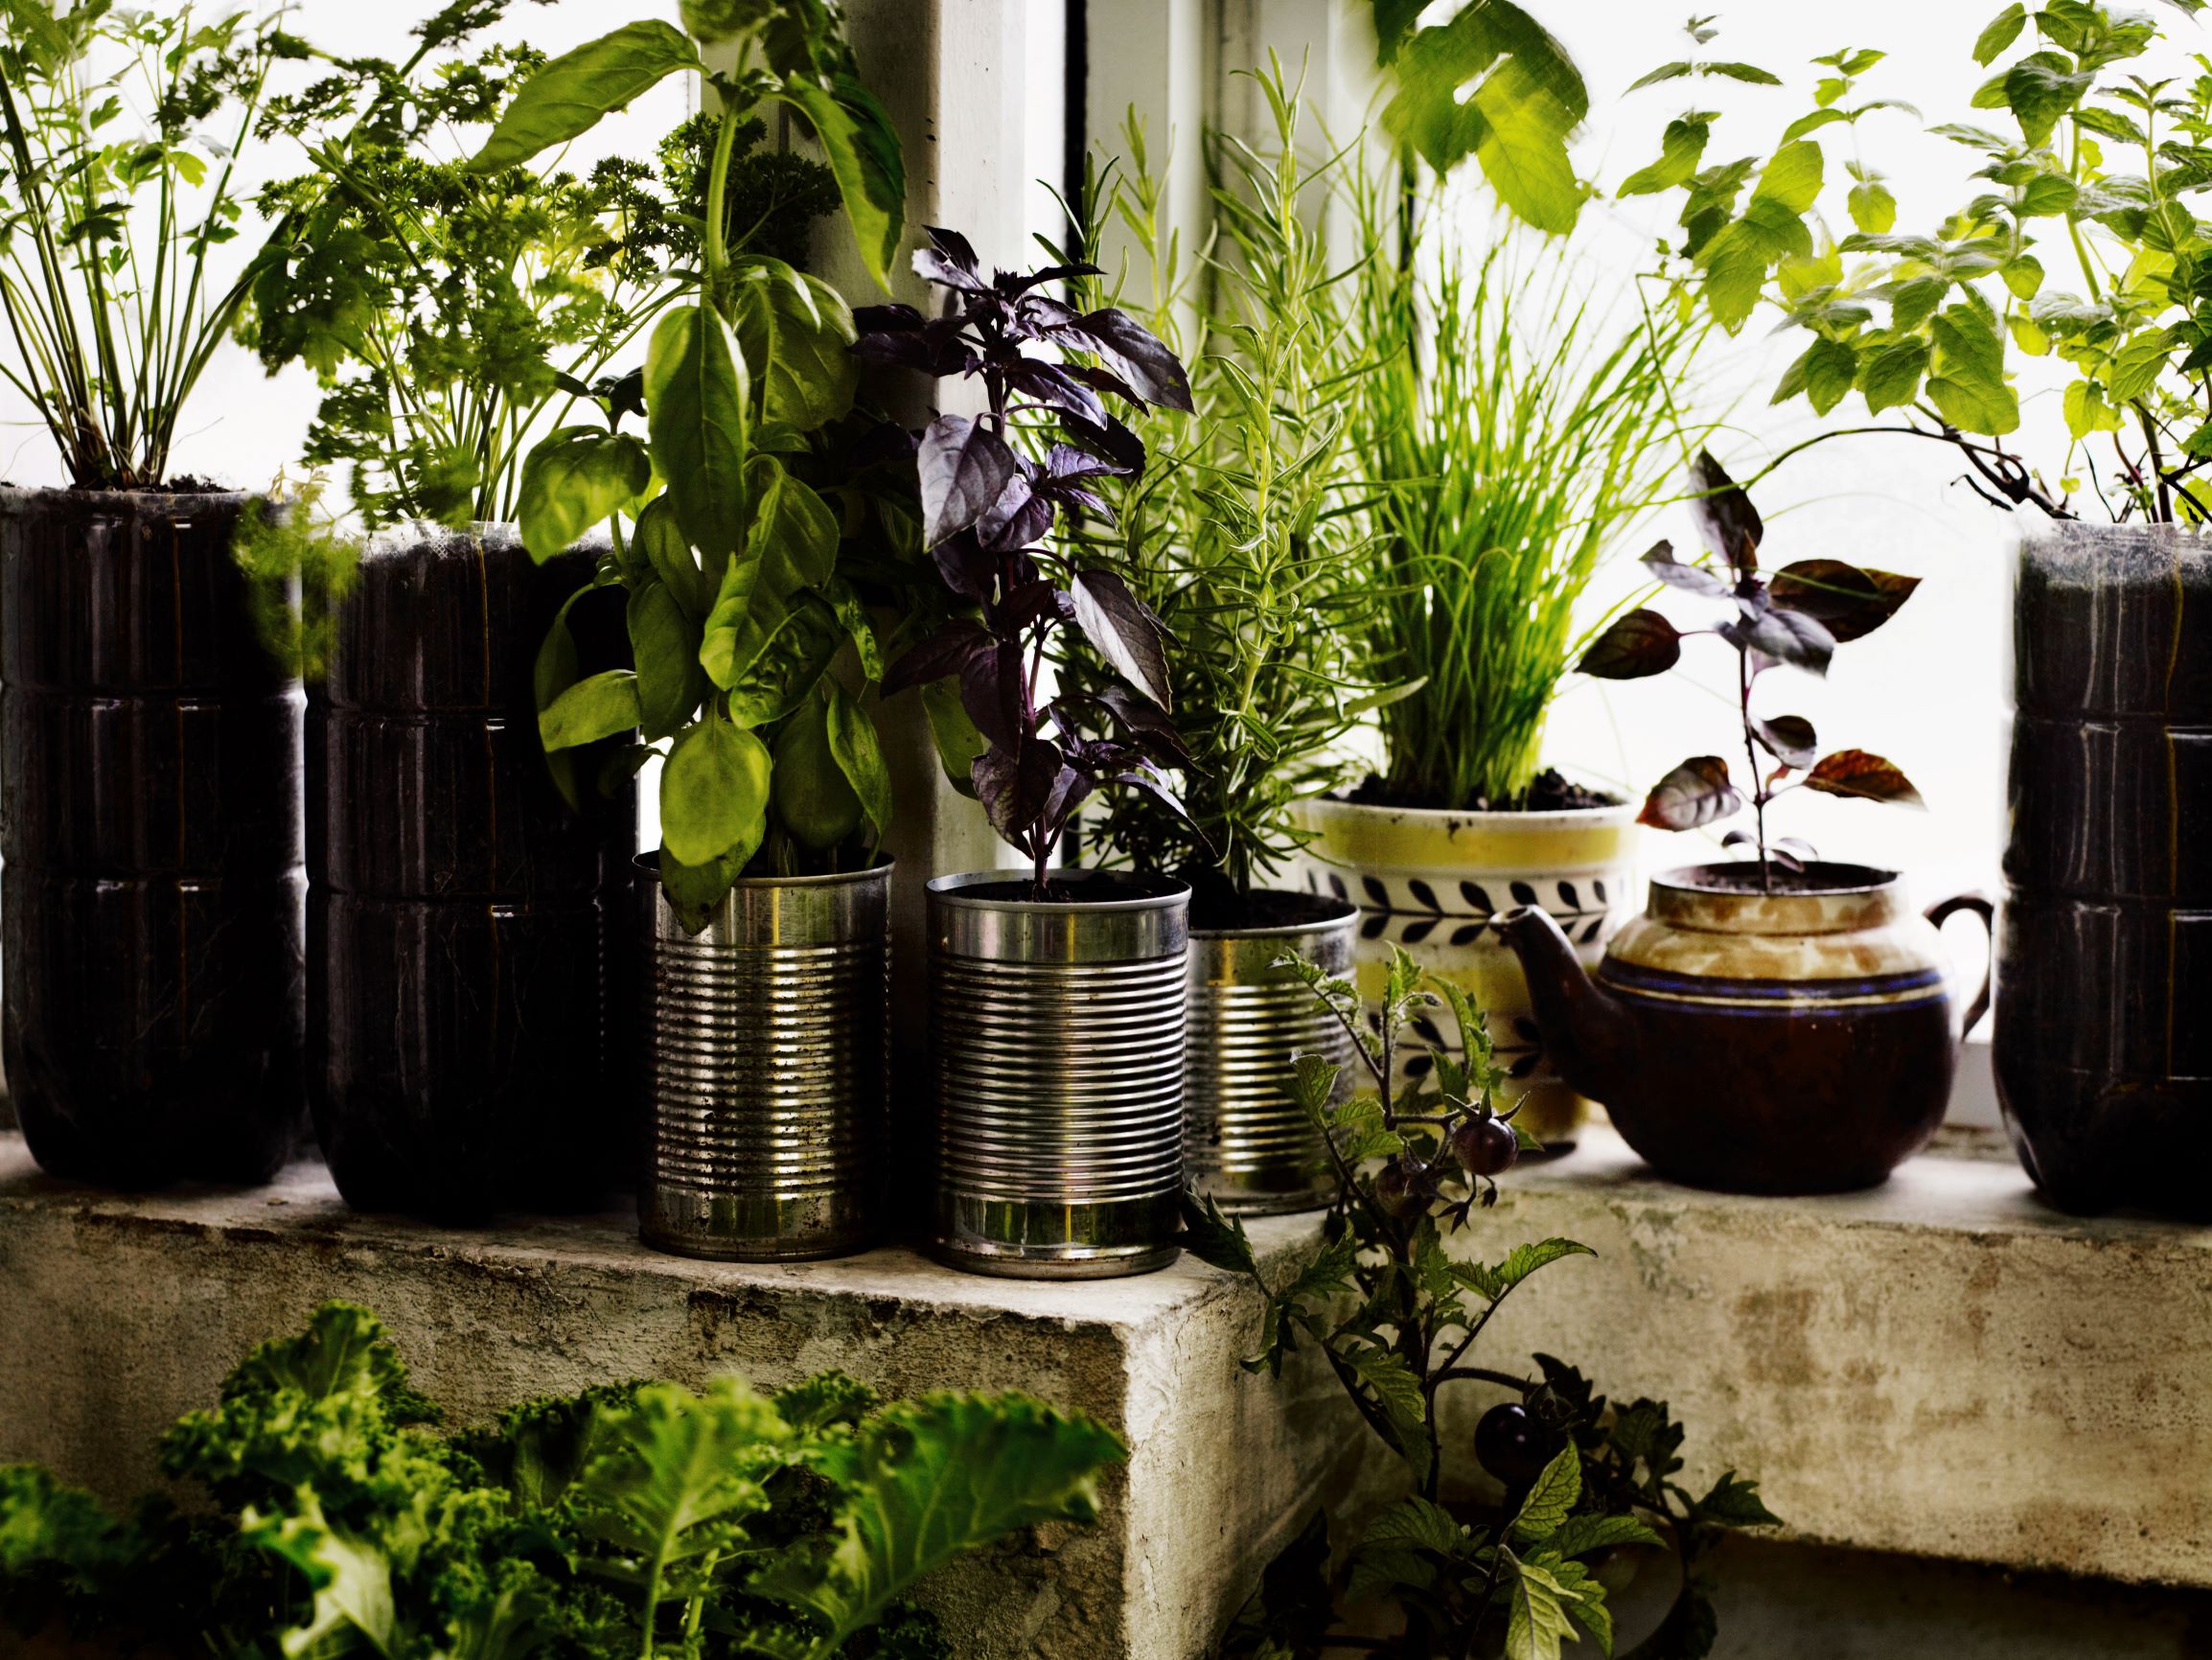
(1516, 435)
(1781, 1026)
(1567, 1495)
(150, 780)
(2077, 239)
(1056, 1011)
(738, 524)
(1244, 537)
(460, 908)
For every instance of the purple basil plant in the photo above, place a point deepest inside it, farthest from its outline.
(986, 510)
(1797, 616)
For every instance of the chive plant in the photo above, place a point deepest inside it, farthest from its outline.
(1517, 432)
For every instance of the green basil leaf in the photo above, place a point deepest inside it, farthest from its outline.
(960, 745)
(591, 709)
(861, 147)
(575, 478)
(695, 410)
(664, 643)
(860, 757)
(794, 332)
(790, 544)
(568, 94)
(714, 794)
(794, 655)
(669, 558)
(814, 797)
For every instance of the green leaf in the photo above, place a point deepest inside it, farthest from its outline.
(860, 756)
(577, 477)
(2001, 32)
(1522, 150)
(568, 94)
(2039, 89)
(960, 745)
(1748, 72)
(1397, 1392)
(861, 147)
(1537, 1620)
(1681, 148)
(1578, 1535)
(695, 890)
(669, 556)
(351, 1578)
(1550, 1499)
(825, 1400)
(1791, 177)
(2086, 410)
(695, 410)
(1966, 373)
(1331, 1269)
(1417, 1523)
(2022, 275)
(672, 1476)
(1873, 208)
(795, 331)
(926, 1480)
(1890, 378)
(596, 707)
(714, 793)
(1218, 1240)
(790, 544)
(796, 653)
(665, 644)
(1312, 1085)
(1520, 1262)
(1825, 373)
(1736, 1504)
(813, 797)
(2137, 365)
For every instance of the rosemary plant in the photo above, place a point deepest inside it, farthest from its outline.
(120, 134)
(1248, 533)
(1519, 434)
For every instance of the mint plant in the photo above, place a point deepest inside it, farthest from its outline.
(1397, 1315)
(641, 1519)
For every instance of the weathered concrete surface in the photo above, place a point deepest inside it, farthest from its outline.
(118, 1314)
(1945, 1366)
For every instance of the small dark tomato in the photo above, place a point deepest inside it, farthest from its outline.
(1513, 1445)
(1403, 1188)
(1485, 1146)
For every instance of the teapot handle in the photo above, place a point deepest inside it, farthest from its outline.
(1979, 904)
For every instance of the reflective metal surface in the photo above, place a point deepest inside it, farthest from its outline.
(1056, 1042)
(1248, 1144)
(764, 1049)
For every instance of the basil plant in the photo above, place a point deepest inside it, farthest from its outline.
(727, 519)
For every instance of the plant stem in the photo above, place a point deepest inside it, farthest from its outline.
(1759, 796)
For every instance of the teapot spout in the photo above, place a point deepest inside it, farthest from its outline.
(1588, 1036)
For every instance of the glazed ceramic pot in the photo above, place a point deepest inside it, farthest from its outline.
(1430, 881)
(1800, 1041)
(2104, 1037)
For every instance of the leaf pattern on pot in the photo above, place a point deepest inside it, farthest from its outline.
(1424, 893)
(1417, 932)
(1468, 934)
(1567, 893)
(1525, 894)
(1376, 889)
(1478, 896)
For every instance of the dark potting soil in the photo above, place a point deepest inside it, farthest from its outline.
(1224, 911)
(1020, 890)
(1547, 793)
(1819, 876)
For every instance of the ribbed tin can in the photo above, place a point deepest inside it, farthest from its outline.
(764, 1045)
(1056, 1034)
(1248, 1145)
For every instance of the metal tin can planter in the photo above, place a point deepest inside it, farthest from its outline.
(149, 820)
(2104, 1035)
(1429, 880)
(765, 1043)
(1795, 1042)
(1056, 1039)
(1247, 1145)
(457, 928)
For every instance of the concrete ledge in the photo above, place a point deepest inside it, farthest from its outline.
(1945, 1366)
(118, 1313)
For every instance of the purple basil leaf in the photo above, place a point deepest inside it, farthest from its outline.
(1050, 385)
(1147, 724)
(965, 567)
(1067, 461)
(1789, 738)
(1125, 634)
(947, 652)
(1014, 784)
(1155, 786)
(1724, 513)
(1788, 636)
(1069, 786)
(933, 268)
(1021, 285)
(894, 319)
(965, 467)
(954, 246)
(1690, 578)
(1020, 516)
(991, 692)
(1695, 792)
(1133, 352)
(1634, 646)
(1114, 441)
